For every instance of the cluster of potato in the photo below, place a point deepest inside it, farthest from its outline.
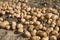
(43, 24)
(35, 23)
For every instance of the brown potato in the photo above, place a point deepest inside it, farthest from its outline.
(53, 37)
(19, 26)
(20, 30)
(7, 26)
(27, 34)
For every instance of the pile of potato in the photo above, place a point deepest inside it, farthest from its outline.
(35, 23)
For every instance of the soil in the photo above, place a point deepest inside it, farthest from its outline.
(13, 35)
